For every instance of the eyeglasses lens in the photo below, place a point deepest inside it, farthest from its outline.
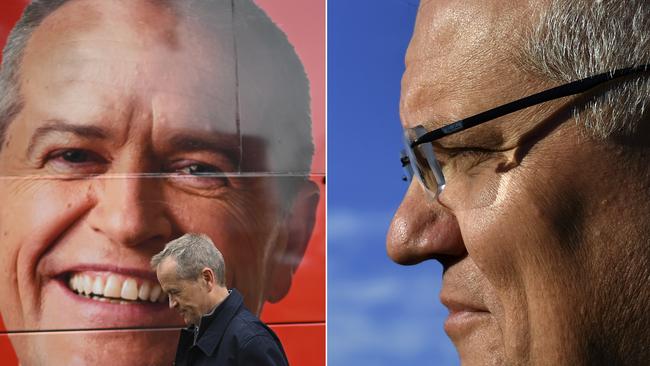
(423, 163)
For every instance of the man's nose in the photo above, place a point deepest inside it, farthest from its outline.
(172, 303)
(423, 229)
(130, 210)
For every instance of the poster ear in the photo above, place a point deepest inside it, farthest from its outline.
(299, 226)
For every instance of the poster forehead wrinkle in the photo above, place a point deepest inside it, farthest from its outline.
(128, 135)
(273, 99)
(212, 106)
(177, 71)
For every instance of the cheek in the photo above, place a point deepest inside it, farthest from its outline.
(516, 240)
(240, 223)
(522, 247)
(34, 213)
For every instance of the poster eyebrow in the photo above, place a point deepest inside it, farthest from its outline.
(191, 142)
(55, 126)
(227, 145)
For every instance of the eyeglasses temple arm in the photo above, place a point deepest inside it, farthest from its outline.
(575, 87)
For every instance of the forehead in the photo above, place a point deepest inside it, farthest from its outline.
(92, 56)
(460, 60)
(139, 30)
(166, 270)
(167, 273)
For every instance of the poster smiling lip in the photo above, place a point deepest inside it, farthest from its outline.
(130, 123)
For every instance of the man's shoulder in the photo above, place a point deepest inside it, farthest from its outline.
(256, 343)
(237, 334)
(246, 326)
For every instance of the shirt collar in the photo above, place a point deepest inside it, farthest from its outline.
(206, 319)
(213, 327)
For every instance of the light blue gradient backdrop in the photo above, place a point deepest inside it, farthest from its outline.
(379, 313)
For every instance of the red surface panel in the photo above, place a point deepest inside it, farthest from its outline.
(102, 207)
(303, 343)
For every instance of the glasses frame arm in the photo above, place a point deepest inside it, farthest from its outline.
(576, 87)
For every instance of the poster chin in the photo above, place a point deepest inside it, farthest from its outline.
(126, 125)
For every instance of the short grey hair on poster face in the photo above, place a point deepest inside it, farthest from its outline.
(574, 39)
(11, 102)
(192, 253)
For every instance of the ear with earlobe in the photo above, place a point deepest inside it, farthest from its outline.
(208, 277)
(299, 225)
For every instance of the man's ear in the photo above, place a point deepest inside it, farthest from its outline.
(208, 277)
(298, 227)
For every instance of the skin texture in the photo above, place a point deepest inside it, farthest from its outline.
(144, 90)
(538, 223)
(190, 298)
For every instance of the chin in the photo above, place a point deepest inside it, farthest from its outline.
(111, 348)
(479, 344)
(77, 329)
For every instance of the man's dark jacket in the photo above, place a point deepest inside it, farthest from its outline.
(231, 335)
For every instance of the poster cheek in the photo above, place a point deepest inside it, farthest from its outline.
(146, 135)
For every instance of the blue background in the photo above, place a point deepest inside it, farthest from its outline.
(379, 313)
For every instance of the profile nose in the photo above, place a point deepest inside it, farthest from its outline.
(130, 210)
(423, 229)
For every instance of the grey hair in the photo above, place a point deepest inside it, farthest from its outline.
(193, 253)
(265, 61)
(574, 39)
(11, 102)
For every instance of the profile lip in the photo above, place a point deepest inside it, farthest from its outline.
(463, 313)
(456, 305)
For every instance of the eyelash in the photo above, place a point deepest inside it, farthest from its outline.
(87, 166)
(214, 178)
(467, 154)
(214, 169)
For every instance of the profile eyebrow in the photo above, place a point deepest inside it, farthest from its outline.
(479, 138)
(60, 126)
(480, 135)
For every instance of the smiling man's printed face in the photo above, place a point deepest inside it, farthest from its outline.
(126, 108)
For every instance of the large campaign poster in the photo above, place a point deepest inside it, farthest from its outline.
(123, 125)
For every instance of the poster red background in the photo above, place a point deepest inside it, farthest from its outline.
(299, 318)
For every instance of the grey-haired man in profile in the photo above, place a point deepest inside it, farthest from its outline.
(526, 128)
(221, 331)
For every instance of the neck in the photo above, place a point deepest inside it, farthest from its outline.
(216, 297)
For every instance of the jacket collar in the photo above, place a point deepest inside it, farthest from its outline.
(213, 326)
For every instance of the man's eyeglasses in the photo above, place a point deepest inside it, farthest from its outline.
(418, 157)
